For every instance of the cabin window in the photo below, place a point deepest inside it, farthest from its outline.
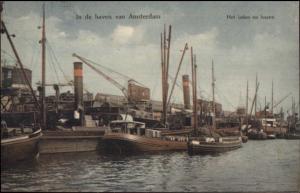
(9, 74)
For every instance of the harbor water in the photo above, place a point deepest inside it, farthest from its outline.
(270, 165)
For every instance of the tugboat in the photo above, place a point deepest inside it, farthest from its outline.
(128, 136)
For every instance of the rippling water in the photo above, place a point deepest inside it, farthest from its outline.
(272, 165)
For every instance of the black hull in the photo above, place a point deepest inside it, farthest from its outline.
(209, 148)
(119, 143)
(20, 148)
(292, 136)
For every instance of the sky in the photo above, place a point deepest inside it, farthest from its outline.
(240, 47)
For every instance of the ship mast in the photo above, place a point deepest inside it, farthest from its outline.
(43, 41)
(1, 8)
(165, 51)
(194, 89)
(256, 97)
(213, 95)
(272, 100)
(246, 111)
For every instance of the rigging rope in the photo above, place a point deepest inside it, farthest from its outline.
(111, 70)
(66, 77)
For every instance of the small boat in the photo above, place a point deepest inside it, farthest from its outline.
(19, 147)
(271, 136)
(126, 136)
(202, 145)
(244, 138)
(254, 134)
(294, 134)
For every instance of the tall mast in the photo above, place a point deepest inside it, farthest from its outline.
(162, 48)
(164, 78)
(165, 68)
(293, 106)
(265, 107)
(195, 100)
(213, 93)
(1, 8)
(272, 99)
(255, 102)
(247, 96)
(194, 89)
(43, 41)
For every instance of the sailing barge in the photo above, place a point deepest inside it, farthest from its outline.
(17, 143)
(213, 143)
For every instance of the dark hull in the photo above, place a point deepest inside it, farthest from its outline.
(204, 148)
(20, 148)
(126, 143)
(257, 136)
(292, 136)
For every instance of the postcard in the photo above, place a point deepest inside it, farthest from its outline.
(196, 96)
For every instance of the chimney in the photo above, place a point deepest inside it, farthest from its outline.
(186, 91)
(78, 89)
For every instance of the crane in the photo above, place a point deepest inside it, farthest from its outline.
(281, 100)
(118, 85)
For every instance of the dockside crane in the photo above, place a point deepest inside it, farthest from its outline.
(115, 83)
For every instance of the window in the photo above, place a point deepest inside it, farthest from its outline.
(9, 74)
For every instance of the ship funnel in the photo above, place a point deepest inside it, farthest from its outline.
(78, 90)
(186, 91)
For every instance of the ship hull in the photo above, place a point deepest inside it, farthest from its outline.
(20, 148)
(292, 136)
(204, 148)
(127, 143)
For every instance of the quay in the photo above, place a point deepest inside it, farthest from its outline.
(79, 139)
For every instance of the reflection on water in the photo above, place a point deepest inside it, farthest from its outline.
(258, 166)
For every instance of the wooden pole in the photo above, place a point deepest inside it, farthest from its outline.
(165, 80)
(265, 111)
(181, 59)
(43, 102)
(167, 71)
(1, 8)
(195, 90)
(256, 97)
(213, 95)
(272, 99)
(247, 96)
(162, 47)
